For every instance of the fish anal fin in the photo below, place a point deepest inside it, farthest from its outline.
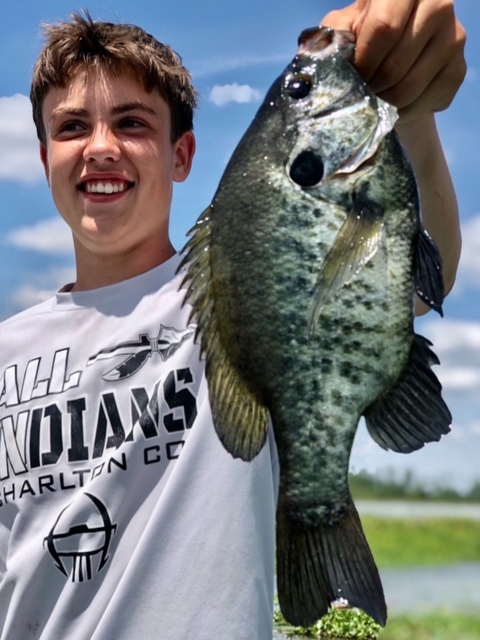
(355, 244)
(318, 565)
(413, 412)
(428, 271)
(240, 418)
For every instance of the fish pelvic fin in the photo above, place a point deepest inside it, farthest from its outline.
(355, 244)
(316, 566)
(428, 271)
(413, 412)
(240, 418)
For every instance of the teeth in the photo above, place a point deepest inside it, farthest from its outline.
(104, 187)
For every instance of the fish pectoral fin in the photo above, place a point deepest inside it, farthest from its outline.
(413, 412)
(316, 566)
(428, 271)
(240, 419)
(355, 244)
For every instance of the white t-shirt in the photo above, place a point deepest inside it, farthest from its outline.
(121, 514)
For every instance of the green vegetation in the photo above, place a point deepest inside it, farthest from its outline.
(338, 623)
(346, 624)
(402, 543)
(367, 486)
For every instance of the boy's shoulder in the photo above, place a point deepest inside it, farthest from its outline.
(38, 309)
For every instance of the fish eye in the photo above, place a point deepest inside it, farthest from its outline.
(299, 86)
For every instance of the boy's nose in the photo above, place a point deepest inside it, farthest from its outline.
(102, 145)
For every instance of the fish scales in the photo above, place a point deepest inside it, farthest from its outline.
(301, 275)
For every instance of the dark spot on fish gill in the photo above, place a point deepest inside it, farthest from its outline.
(298, 86)
(307, 169)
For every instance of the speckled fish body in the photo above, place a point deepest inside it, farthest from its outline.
(302, 274)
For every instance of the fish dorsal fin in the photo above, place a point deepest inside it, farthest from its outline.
(240, 418)
(428, 271)
(355, 244)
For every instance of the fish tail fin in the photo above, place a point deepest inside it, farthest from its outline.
(318, 565)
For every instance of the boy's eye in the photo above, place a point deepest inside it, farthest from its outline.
(71, 127)
(131, 123)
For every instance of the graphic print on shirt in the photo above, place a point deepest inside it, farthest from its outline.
(51, 440)
(168, 341)
(79, 542)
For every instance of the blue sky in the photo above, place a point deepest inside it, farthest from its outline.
(235, 50)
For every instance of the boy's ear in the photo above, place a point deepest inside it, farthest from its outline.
(44, 159)
(184, 150)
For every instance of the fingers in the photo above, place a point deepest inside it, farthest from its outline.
(379, 27)
(434, 77)
(411, 52)
(423, 73)
(437, 96)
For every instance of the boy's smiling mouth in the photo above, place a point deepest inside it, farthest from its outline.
(105, 186)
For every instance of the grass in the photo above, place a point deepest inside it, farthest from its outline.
(437, 626)
(403, 543)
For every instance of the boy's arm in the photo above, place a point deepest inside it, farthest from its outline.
(437, 195)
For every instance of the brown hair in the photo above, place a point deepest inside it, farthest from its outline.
(115, 47)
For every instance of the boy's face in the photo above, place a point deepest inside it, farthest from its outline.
(110, 162)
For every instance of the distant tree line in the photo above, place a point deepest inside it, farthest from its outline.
(368, 486)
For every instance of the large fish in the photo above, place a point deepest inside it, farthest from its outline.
(302, 274)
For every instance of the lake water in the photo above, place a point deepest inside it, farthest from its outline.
(415, 510)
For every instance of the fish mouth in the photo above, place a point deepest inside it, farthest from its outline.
(322, 42)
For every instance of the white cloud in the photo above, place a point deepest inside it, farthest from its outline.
(51, 236)
(219, 64)
(19, 160)
(221, 95)
(469, 269)
(41, 287)
(457, 345)
(460, 378)
(454, 336)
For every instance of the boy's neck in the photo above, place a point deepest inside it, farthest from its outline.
(95, 271)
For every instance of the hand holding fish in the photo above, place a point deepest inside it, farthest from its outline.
(409, 52)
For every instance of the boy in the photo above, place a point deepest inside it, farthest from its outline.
(121, 514)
